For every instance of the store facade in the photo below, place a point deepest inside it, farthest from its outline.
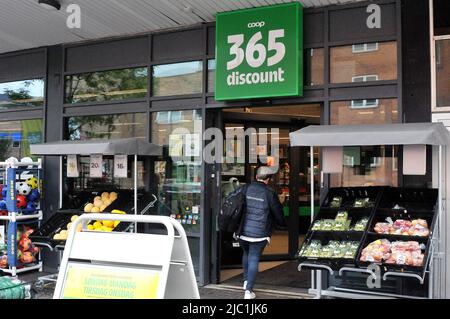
(148, 85)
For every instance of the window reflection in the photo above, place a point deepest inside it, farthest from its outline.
(364, 62)
(178, 174)
(314, 67)
(29, 93)
(112, 85)
(98, 127)
(17, 136)
(443, 73)
(178, 78)
(371, 165)
(211, 75)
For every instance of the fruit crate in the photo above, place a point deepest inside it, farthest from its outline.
(419, 270)
(53, 225)
(406, 204)
(350, 194)
(325, 237)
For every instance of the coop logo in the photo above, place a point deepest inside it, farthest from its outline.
(252, 25)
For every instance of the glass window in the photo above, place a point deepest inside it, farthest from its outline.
(112, 85)
(368, 111)
(17, 136)
(314, 67)
(178, 173)
(178, 78)
(98, 127)
(211, 75)
(107, 182)
(364, 62)
(366, 166)
(29, 93)
(443, 73)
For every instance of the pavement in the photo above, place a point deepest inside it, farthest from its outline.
(45, 290)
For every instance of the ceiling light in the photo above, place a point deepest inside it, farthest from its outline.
(50, 4)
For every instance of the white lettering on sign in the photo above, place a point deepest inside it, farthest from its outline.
(96, 166)
(256, 24)
(121, 166)
(236, 78)
(256, 53)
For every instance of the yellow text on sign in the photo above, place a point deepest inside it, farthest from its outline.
(110, 283)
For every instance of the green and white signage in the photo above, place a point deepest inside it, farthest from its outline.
(259, 52)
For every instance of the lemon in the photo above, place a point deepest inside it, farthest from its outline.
(108, 223)
(90, 227)
(116, 223)
(106, 229)
(116, 211)
(97, 224)
(74, 218)
(57, 237)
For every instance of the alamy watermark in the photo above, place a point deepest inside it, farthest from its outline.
(74, 18)
(213, 146)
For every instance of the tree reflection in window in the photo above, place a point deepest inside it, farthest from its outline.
(112, 85)
(115, 126)
(28, 93)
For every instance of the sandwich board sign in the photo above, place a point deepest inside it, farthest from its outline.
(115, 265)
(259, 52)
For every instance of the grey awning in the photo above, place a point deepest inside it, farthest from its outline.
(360, 135)
(129, 146)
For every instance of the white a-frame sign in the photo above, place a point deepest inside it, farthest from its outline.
(117, 265)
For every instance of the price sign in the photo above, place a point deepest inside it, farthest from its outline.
(72, 166)
(260, 52)
(96, 166)
(121, 166)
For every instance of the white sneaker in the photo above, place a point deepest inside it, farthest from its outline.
(249, 295)
(245, 285)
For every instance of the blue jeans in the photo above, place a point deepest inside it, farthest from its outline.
(250, 260)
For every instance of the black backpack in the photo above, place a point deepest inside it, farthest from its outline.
(232, 212)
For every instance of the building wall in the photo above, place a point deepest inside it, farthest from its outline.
(336, 26)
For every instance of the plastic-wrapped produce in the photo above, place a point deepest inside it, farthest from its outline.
(362, 202)
(336, 202)
(377, 251)
(342, 216)
(397, 253)
(417, 227)
(361, 224)
(382, 228)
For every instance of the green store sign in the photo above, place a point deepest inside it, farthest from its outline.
(259, 52)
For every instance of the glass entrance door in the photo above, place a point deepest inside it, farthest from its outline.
(291, 182)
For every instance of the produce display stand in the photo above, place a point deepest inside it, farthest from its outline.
(12, 172)
(424, 203)
(127, 265)
(131, 147)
